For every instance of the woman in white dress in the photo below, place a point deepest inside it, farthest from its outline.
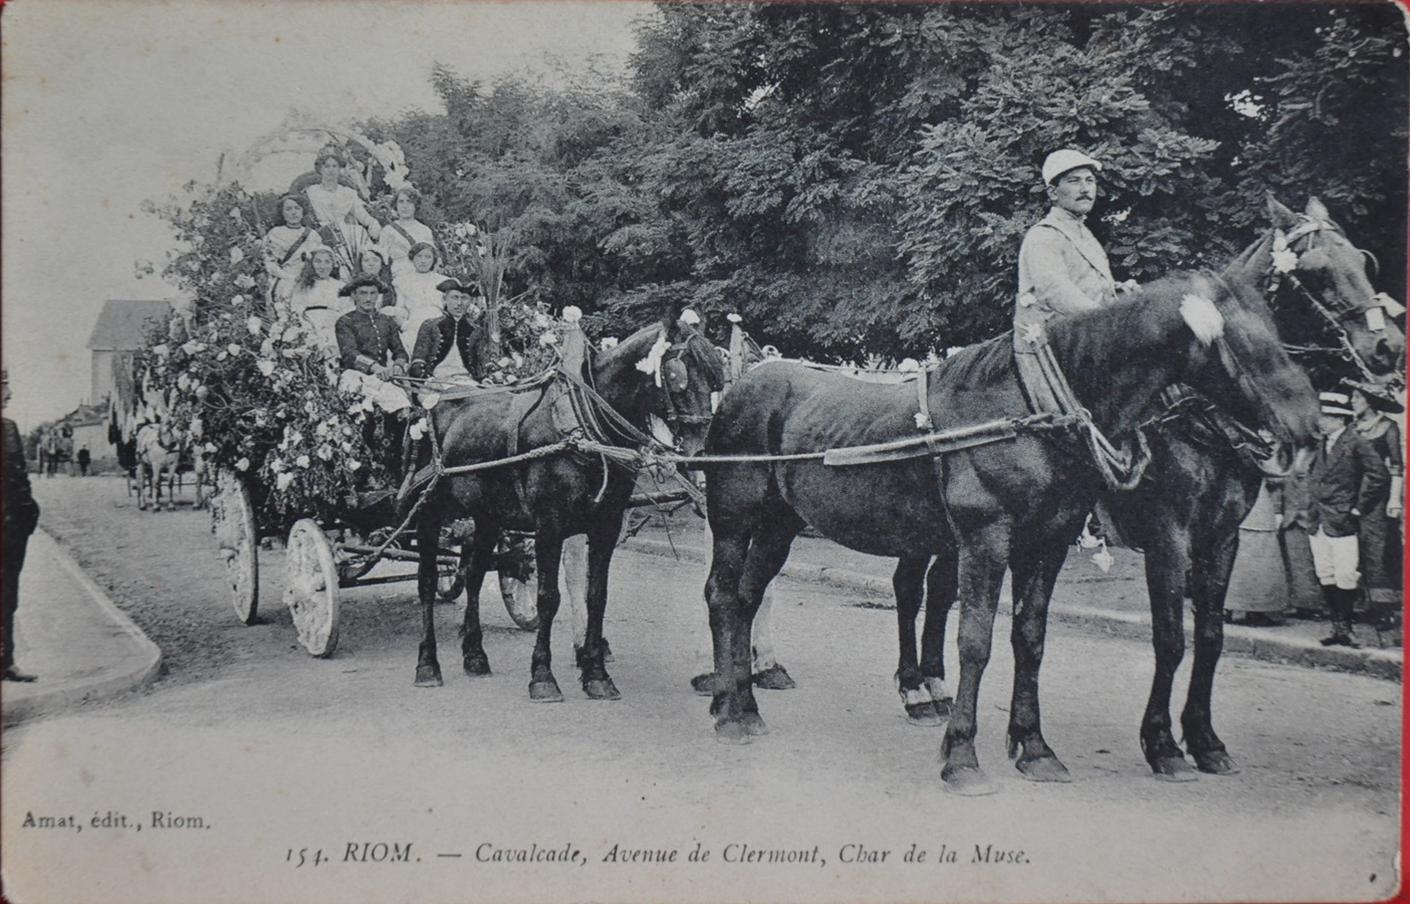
(405, 232)
(315, 298)
(417, 292)
(286, 246)
(343, 220)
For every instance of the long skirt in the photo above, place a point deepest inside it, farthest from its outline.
(1259, 582)
(1380, 558)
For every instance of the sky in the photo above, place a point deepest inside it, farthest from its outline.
(105, 105)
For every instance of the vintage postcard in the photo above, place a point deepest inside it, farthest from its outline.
(799, 394)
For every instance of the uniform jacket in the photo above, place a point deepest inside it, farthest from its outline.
(368, 341)
(438, 336)
(1062, 269)
(1349, 477)
(20, 510)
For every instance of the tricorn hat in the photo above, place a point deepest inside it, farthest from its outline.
(346, 291)
(455, 285)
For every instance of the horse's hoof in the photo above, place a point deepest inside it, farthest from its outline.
(774, 678)
(428, 675)
(1044, 769)
(545, 691)
(732, 731)
(966, 781)
(923, 714)
(1173, 768)
(601, 689)
(1216, 762)
(754, 725)
(704, 685)
(477, 665)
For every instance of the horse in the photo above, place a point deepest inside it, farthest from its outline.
(554, 494)
(1203, 479)
(158, 453)
(1016, 503)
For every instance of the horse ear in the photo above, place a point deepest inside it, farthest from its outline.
(1282, 217)
(1316, 209)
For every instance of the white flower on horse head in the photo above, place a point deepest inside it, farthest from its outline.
(302, 461)
(417, 430)
(283, 480)
(651, 364)
(236, 255)
(572, 314)
(1284, 261)
(254, 325)
(242, 465)
(734, 318)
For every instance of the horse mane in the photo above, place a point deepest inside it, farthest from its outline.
(702, 353)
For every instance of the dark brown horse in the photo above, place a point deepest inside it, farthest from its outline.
(1009, 505)
(1200, 485)
(554, 496)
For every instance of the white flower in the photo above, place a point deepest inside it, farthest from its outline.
(237, 301)
(254, 325)
(346, 447)
(283, 480)
(325, 452)
(266, 348)
(689, 317)
(734, 318)
(417, 430)
(292, 333)
(354, 464)
(293, 437)
(245, 281)
(540, 319)
(265, 366)
(191, 347)
(302, 461)
(277, 465)
(572, 314)
(548, 339)
(236, 255)
(908, 366)
(608, 342)
(1284, 261)
(236, 215)
(197, 428)
(210, 448)
(505, 361)
(242, 465)
(222, 356)
(183, 382)
(233, 348)
(321, 430)
(162, 350)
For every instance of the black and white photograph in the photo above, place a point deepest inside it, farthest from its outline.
(650, 452)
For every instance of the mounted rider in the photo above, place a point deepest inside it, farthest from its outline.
(1062, 270)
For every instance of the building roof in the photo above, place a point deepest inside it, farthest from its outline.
(124, 324)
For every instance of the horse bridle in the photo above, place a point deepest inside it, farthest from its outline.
(1308, 228)
(674, 413)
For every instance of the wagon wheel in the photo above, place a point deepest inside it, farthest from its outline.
(233, 523)
(311, 591)
(518, 579)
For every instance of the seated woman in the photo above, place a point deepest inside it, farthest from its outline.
(449, 348)
(343, 220)
(286, 246)
(417, 290)
(316, 298)
(401, 235)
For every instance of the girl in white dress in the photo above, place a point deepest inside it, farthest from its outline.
(405, 232)
(315, 298)
(286, 246)
(417, 292)
(343, 220)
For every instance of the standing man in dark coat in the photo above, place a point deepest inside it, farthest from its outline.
(1347, 479)
(21, 514)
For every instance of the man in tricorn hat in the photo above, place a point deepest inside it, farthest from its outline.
(449, 347)
(1347, 478)
(370, 347)
(21, 515)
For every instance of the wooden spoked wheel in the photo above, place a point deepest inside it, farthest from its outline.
(311, 590)
(518, 579)
(233, 523)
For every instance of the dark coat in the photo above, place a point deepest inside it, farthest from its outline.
(20, 510)
(367, 341)
(436, 337)
(1344, 483)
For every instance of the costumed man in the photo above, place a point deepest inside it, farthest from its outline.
(1347, 478)
(449, 348)
(21, 514)
(371, 352)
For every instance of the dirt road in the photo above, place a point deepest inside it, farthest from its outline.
(265, 756)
